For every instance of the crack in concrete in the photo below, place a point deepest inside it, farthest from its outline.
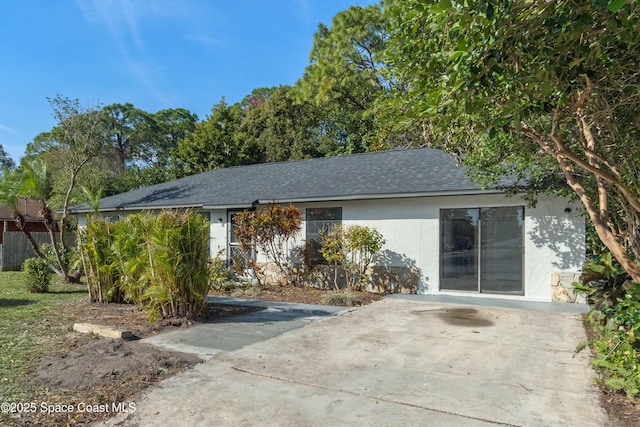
(441, 411)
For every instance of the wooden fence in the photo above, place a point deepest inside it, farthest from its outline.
(16, 248)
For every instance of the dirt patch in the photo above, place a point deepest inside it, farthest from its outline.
(108, 360)
(91, 372)
(301, 295)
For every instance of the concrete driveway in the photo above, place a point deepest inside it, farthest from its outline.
(395, 362)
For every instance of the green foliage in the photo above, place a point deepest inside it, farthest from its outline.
(617, 345)
(279, 127)
(160, 262)
(544, 92)
(100, 267)
(343, 298)
(217, 142)
(6, 162)
(271, 231)
(603, 281)
(353, 248)
(345, 78)
(178, 275)
(37, 275)
(220, 276)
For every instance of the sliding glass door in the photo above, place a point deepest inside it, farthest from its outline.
(481, 249)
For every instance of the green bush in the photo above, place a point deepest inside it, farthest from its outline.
(603, 281)
(159, 262)
(37, 275)
(219, 274)
(615, 319)
(178, 272)
(345, 298)
(353, 248)
(98, 261)
(617, 345)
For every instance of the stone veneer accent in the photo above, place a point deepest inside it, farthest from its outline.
(562, 287)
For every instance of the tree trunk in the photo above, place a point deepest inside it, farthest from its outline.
(20, 224)
(600, 224)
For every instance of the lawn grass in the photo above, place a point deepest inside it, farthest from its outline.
(24, 331)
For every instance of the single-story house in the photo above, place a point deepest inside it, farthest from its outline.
(14, 246)
(444, 233)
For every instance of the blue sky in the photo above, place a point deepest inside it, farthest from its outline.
(155, 54)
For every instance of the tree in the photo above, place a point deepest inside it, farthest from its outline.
(542, 91)
(217, 142)
(77, 138)
(6, 162)
(174, 125)
(11, 188)
(280, 127)
(346, 76)
(132, 133)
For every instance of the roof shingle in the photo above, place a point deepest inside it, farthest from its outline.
(399, 173)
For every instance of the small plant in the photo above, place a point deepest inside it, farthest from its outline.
(271, 231)
(617, 326)
(353, 248)
(344, 298)
(332, 250)
(603, 280)
(37, 275)
(219, 274)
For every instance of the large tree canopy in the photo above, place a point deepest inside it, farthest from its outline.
(346, 76)
(541, 89)
(217, 142)
(280, 127)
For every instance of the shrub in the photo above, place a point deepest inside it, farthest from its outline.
(271, 230)
(219, 274)
(615, 318)
(603, 281)
(617, 345)
(178, 272)
(352, 247)
(37, 275)
(100, 267)
(344, 298)
(160, 262)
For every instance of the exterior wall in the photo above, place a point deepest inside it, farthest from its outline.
(218, 232)
(554, 239)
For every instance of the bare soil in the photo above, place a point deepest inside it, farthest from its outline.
(96, 372)
(81, 368)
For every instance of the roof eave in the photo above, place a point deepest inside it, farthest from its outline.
(138, 208)
(380, 196)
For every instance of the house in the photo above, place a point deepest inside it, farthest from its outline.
(444, 234)
(14, 246)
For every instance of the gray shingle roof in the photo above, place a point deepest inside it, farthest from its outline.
(400, 173)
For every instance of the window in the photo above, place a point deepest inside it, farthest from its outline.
(234, 251)
(319, 220)
(112, 218)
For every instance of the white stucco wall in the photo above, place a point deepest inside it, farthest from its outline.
(554, 239)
